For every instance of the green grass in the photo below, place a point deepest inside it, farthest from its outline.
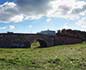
(64, 57)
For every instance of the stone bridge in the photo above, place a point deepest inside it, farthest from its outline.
(14, 40)
(19, 40)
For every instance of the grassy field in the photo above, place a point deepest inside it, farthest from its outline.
(64, 57)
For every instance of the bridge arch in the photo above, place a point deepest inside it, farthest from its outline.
(43, 43)
(40, 43)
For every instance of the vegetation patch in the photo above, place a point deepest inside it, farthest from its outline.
(64, 57)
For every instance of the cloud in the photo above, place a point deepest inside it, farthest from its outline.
(81, 0)
(11, 27)
(17, 18)
(35, 9)
(80, 9)
(3, 28)
(23, 9)
(9, 13)
(71, 9)
(48, 20)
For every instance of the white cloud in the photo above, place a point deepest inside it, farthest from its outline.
(11, 27)
(48, 20)
(17, 18)
(3, 28)
(9, 13)
(68, 9)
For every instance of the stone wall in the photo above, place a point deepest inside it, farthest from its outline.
(62, 40)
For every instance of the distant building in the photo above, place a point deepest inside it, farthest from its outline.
(47, 32)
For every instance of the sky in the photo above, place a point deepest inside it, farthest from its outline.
(31, 16)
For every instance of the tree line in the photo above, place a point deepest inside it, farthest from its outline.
(72, 33)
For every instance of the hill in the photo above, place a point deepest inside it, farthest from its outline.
(63, 57)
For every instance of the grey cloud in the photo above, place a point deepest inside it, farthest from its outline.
(33, 7)
(79, 10)
(81, 0)
(7, 12)
(64, 9)
(28, 8)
